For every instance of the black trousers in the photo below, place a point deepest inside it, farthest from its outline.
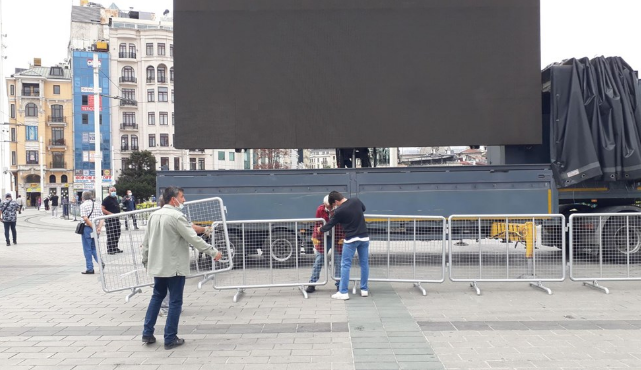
(113, 234)
(10, 225)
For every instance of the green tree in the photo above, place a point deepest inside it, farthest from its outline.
(138, 175)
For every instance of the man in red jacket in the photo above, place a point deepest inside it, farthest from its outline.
(324, 212)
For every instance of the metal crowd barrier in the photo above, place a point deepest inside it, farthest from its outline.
(605, 247)
(119, 245)
(502, 248)
(403, 249)
(271, 253)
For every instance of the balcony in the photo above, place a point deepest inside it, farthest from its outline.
(150, 80)
(129, 126)
(196, 150)
(57, 121)
(126, 55)
(162, 80)
(124, 148)
(128, 79)
(128, 103)
(30, 93)
(57, 143)
(57, 165)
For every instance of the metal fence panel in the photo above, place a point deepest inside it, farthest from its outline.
(271, 253)
(403, 249)
(501, 248)
(605, 247)
(119, 245)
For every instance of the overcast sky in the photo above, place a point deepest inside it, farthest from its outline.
(569, 28)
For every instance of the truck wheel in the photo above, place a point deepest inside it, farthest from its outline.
(620, 240)
(282, 250)
(236, 250)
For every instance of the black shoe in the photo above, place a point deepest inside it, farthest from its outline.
(103, 265)
(8, 244)
(112, 252)
(15, 242)
(136, 228)
(120, 251)
(177, 342)
(310, 289)
(88, 272)
(149, 340)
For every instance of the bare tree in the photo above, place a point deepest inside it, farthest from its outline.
(271, 159)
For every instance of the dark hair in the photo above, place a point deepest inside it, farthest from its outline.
(171, 192)
(334, 197)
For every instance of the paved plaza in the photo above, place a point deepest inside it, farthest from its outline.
(52, 317)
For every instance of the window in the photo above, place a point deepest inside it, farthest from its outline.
(164, 163)
(150, 49)
(172, 95)
(58, 160)
(152, 140)
(85, 100)
(151, 72)
(163, 118)
(171, 74)
(171, 50)
(132, 51)
(162, 94)
(221, 156)
(129, 118)
(32, 157)
(129, 96)
(52, 179)
(13, 111)
(13, 134)
(125, 163)
(57, 136)
(85, 119)
(56, 89)
(13, 158)
(56, 71)
(57, 113)
(63, 179)
(134, 142)
(31, 89)
(151, 94)
(176, 163)
(162, 73)
(31, 110)
(164, 139)
(201, 164)
(32, 133)
(12, 90)
(192, 164)
(122, 51)
(124, 142)
(151, 118)
(128, 74)
(232, 156)
(161, 49)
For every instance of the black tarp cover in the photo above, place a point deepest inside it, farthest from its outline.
(595, 120)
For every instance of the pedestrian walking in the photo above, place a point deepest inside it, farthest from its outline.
(318, 239)
(21, 204)
(349, 213)
(54, 205)
(46, 201)
(165, 255)
(129, 202)
(8, 217)
(111, 206)
(65, 207)
(89, 211)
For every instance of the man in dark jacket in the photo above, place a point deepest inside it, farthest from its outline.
(111, 206)
(349, 214)
(130, 205)
(8, 216)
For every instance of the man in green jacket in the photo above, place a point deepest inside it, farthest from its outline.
(165, 255)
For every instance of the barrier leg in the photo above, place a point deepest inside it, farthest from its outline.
(238, 293)
(539, 285)
(302, 290)
(354, 288)
(418, 285)
(476, 287)
(134, 291)
(204, 280)
(595, 285)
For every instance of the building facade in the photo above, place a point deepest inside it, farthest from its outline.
(40, 131)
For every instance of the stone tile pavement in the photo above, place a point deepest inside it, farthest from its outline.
(52, 317)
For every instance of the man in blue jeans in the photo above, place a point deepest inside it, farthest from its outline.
(349, 213)
(165, 255)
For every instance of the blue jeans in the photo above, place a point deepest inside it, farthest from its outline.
(176, 286)
(320, 260)
(349, 249)
(89, 248)
(10, 225)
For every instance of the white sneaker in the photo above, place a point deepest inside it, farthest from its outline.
(163, 312)
(364, 293)
(339, 295)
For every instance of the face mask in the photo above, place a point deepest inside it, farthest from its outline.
(113, 193)
(129, 194)
(181, 206)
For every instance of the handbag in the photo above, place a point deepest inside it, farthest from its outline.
(80, 228)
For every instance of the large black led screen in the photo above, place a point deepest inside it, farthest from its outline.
(356, 73)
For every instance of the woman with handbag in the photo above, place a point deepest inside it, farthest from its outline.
(89, 211)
